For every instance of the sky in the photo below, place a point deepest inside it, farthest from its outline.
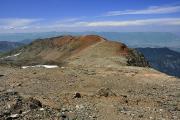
(89, 15)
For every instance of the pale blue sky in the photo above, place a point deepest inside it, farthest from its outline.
(89, 15)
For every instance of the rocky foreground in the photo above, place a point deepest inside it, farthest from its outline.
(77, 93)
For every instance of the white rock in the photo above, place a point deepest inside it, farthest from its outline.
(41, 109)
(79, 106)
(14, 115)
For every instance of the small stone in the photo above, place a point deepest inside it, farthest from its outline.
(25, 112)
(126, 101)
(9, 91)
(150, 117)
(19, 84)
(13, 116)
(20, 112)
(33, 103)
(123, 109)
(64, 117)
(58, 114)
(7, 112)
(1, 75)
(140, 116)
(176, 108)
(2, 89)
(93, 116)
(8, 118)
(41, 109)
(154, 88)
(16, 85)
(64, 110)
(105, 92)
(77, 95)
(62, 67)
(71, 116)
(124, 96)
(78, 107)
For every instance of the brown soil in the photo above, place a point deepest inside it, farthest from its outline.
(122, 93)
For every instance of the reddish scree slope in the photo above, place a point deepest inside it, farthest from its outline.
(75, 44)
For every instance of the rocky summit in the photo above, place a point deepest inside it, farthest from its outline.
(89, 50)
(84, 78)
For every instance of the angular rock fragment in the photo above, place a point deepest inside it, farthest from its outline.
(77, 95)
(105, 92)
(1, 75)
(34, 103)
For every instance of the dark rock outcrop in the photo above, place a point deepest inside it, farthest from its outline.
(137, 59)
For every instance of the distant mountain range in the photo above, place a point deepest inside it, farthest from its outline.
(163, 59)
(132, 39)
(175, 49)
(7, 46)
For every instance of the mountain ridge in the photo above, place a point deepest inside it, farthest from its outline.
(78, 50)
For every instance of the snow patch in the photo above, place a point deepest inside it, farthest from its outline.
(44, 66)
(15, 55)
